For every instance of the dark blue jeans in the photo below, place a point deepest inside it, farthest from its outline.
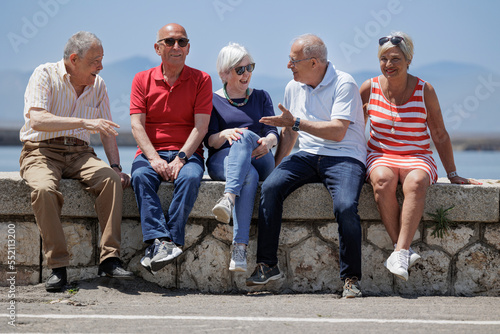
(343, 177)
(146, 182)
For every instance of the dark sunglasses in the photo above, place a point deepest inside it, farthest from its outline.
(171, 41)
(241, 69)
(395, 40)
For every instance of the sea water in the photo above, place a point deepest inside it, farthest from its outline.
(471, 164)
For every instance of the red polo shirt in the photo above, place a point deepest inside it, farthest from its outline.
(169, 109)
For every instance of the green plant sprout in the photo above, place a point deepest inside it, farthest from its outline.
(441, 222)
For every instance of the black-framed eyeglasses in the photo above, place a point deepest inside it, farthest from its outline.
(395, 40)
(298, 60)
(241, 69)
(171, 41)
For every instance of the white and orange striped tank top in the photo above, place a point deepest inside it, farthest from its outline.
(399, 136)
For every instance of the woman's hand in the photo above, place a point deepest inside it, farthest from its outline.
(232, 134)
(264, 146)
(461, 180)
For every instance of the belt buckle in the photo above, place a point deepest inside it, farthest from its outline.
(69, 141)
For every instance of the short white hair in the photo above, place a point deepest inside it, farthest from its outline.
(406, 45)
(230, 56)
(313, 47)
(80, 43)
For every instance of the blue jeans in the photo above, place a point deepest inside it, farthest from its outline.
(145, 182)
(342, 176)
(242, 174)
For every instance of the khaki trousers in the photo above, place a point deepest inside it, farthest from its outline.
(43, 166)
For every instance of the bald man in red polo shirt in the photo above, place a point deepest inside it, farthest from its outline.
(170, 107)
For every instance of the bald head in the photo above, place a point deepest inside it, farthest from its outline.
(169, 29)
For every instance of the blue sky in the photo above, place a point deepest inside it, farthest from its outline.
(35, 31)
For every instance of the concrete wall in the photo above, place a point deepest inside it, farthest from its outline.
(465, 262)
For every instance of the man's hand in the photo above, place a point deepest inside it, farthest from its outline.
(175, 167)
(104, 126)
(125, 179)
(286, 119)
(162, 168)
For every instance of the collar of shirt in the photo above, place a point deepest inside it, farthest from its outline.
(330, 76)
(158, 73)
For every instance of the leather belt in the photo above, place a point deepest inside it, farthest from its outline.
(68, 141)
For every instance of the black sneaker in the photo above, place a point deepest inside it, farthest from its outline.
(112, 267)
(263, 274)
(57, 280)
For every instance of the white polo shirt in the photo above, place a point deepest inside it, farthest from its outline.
(336, 97)
(49, 88)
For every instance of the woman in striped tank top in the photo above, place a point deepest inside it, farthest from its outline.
(404, 113)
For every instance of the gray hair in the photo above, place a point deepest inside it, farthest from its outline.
(313, 47)
(80, 43)
(406, 45)
(230, 56)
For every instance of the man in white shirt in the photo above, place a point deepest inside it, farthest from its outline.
(64, 103)
(322, 108)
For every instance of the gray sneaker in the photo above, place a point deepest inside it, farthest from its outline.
(263, 274)
(165, 253)
(238, 259)
(223, 209)
(351, 288)
(146, 259)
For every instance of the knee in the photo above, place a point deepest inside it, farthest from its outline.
(383, 183)
(345, 209)
(252, 176)
(417, 185)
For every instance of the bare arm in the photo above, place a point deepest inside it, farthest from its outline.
(288, 137)
(194, 140)
(365, 92)
(42, 120)
(138, 122)
(332, 130)
(440, 136)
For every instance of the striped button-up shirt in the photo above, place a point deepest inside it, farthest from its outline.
(49, 88)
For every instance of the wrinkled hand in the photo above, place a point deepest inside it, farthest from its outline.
(461, 180)
(283, 120)
(232, 134)
(102, 125)
(162, 168)
(262, 149)
(125, 179)
(175, 168)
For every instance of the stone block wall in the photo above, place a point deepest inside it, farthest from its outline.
(466, 262)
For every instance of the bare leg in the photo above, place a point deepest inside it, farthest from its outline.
(415, 183)
(384, 181)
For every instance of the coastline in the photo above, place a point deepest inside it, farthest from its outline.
(463, 142)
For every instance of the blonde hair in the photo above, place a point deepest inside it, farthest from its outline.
(406, 45)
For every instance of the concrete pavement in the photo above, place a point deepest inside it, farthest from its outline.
(104, 305)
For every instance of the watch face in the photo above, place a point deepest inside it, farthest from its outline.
(182, 155)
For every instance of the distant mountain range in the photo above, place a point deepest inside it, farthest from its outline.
(469, 94)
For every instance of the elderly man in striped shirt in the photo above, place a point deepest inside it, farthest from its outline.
(64, 103)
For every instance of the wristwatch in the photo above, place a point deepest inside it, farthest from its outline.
(117, 166)
(295, 126)
(182, 156)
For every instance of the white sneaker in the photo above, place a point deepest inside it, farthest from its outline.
(397, 263)
(238, 259)
(414, 257)
(223, 209)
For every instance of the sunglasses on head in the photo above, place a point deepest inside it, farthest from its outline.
(171, 41)
(241, 69)
(395, 40)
